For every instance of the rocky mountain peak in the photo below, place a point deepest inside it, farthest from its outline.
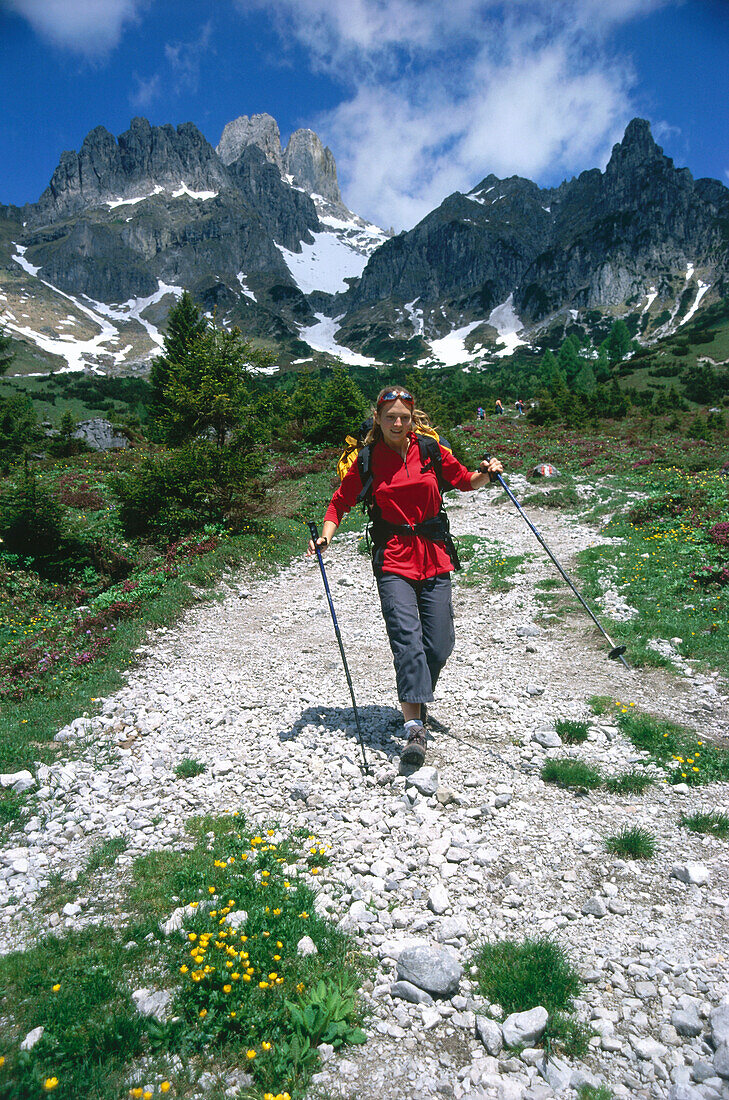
(305, 159)
(636, 149)
(312, 165)
(107, 169)
(261, 130)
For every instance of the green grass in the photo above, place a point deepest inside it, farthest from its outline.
(105, 855)
(188, 768)
(711, 822)
(485, 564)
(566, 1036)
(571, 731)
(521, 975)
(92, 1027)
(594, 1092)
(632, 843)
(632, 782)
(568, 773)
(662, 562)
(240, 990)
(688, 758)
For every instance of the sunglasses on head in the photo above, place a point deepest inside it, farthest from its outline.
(396, 395)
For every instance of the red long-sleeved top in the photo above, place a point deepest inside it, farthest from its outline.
(404, 495)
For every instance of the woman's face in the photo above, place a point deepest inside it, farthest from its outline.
(395, 420)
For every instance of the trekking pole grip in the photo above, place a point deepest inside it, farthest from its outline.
(312, 529)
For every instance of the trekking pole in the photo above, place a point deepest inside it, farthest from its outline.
(616, 651)
(315, 536)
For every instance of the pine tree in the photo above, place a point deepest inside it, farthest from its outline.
(6, 354)
(585, 381)
(209, 389)
(618, 342)
(185, 326)
(342, 407)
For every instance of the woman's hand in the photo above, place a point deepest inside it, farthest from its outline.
(491, 466)
(321, 542)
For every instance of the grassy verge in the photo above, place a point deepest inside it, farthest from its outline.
(239, 990)
(687, 757)
(671, 564)
(485, 563)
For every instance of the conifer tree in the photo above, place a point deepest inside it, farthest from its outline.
(6, 355)
(185, 326)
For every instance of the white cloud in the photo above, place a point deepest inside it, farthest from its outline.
(184, 59)
(441, 94)
(146, 91)
(90, 27)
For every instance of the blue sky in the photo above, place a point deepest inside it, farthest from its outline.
(416, 98)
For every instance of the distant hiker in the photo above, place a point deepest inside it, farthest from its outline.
(480, 414)
(499, 407)
(413, 553)
(519, 404)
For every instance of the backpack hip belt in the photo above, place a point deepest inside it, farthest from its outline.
(436, 529)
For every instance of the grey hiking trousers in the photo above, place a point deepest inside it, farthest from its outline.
(419, 620)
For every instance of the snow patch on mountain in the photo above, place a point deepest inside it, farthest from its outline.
(504, 319)
(320, 336)
(703, 287)
(244, 286)
(132, 309)
(451, 349)
(19, 257)
(325, 264)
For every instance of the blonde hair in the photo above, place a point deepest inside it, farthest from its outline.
(420, 419)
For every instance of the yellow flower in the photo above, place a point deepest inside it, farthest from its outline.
(277, 958)
(250, 1054)
(246, 977)
(192, 936)
(263, 985)
(227, 988)
(183, 969)
(304, 915)
(211, 889)
(136, 1093)
(300, 987)
(50, 1084)
(235, 975)
(272, 976)
(147, 1095)
(265, 1046)
(203, 1013)
(2, 1060)
(56, 987)
(277, 912)
(165, 1086)
(232, 1015)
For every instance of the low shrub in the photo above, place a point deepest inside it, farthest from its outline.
(189, 768)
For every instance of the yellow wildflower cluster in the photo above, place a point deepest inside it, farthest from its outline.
(139, 1093)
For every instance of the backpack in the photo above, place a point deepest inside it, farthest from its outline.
(379, 530)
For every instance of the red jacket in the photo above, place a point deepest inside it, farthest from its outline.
(404, 495)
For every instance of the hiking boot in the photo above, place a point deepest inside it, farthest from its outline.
(414, 751)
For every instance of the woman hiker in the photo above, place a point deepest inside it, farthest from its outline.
(412, 563)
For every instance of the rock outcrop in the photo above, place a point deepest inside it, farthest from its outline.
(306, 160)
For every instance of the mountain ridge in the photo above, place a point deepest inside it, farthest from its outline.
(260, 236)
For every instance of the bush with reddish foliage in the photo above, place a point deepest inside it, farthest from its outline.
(75, 492)
(712, 574)
(189, 548)
(719, 534)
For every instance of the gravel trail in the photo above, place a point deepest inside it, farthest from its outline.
(252, 685)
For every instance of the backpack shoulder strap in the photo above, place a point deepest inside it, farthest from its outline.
(431, 458)
(364, 464)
